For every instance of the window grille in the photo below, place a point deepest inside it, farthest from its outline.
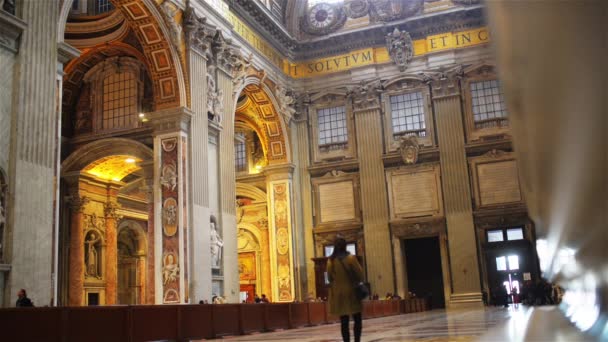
(119, 101)
(332, 126)
(103, 6)
(488, 104)
(407, 113)
(240, 156)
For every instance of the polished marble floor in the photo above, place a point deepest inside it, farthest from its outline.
(430, 326)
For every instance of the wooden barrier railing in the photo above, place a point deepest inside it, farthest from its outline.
(176, 322)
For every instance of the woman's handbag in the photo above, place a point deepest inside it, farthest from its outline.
(361, 290)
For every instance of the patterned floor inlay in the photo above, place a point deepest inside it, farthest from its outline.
(431, 326)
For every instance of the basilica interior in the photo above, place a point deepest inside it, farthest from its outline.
(177, 151)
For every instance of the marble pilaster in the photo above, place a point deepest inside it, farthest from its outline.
(171, 230)
(279, 185)
(303, 211)
(464, 267)
(32, 153)
(374, 204)
(111, 271)
(148, 188)
(77, 204)
(200, 284)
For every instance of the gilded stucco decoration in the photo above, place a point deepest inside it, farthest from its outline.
(260, 113)
(282, 241)
(399, 46)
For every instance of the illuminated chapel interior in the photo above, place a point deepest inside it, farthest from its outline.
(174, 151)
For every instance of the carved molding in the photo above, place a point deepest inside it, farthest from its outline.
(366, 96)
(77, 202)
(110, 209)
(418, 227)
(399, 46)
(11, 28)
(199, 34)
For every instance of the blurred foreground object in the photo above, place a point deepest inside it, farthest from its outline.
(552, 63)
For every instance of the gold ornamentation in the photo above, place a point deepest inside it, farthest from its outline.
(282, 241)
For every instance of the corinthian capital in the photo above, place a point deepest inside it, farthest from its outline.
(110, 210)
(199, 33)
(366, 95)
(77, 202)
(444, 81)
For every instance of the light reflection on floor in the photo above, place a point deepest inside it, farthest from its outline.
(431, 326)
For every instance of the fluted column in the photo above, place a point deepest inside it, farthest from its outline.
(77, 203)
(303, 211)
(111, 270)
(374, 204)
(455, 184)
(171, 196)
(228, 189)
(199, 37)
(33, 145)
(400, 268)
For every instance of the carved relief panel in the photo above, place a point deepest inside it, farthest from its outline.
(336, 200)
(414, 191)
(495, 180)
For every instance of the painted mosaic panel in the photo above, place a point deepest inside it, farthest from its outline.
(170, 221)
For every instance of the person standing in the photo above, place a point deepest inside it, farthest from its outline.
(344, 272)
(22, 300)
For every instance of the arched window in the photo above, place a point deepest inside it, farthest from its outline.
(103, 6)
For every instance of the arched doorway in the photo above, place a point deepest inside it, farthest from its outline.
(131, 263)
(105, 224)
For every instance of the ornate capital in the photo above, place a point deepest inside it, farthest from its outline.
(444, 82)
(239, 72)
(199, 34)
(77, 202)
(399, 46)
(110, 210)
(366, 96)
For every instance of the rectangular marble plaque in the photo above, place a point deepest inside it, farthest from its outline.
(337, 201)
(498, 182)
(414, 194)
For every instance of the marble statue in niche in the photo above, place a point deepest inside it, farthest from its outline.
(170, 268)
(218, 106)
(216, 246)
(92, 254)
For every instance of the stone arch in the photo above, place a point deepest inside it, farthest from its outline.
(250, 191)
(275, 137)
(98, 149)
(139, 233)
(132, 247)
(166, 60)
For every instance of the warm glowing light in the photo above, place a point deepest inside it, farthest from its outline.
(144, 120)
(113, 168)
(258, 167)
(141, 115)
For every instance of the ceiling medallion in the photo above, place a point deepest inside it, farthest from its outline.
(323, 18)
(356, 8)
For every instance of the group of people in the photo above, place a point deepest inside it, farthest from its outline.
(539, 293)
(262, 299)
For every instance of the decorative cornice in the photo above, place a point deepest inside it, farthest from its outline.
(445, 81)
(11, 28)
(199, 34)
(418, 227)
(66, 52)
(170, 120)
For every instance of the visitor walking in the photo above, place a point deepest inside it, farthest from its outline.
(344, 273)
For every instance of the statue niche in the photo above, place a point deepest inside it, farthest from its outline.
(216, 245)
(92, 254)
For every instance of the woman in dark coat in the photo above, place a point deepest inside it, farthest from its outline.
(344, 271)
